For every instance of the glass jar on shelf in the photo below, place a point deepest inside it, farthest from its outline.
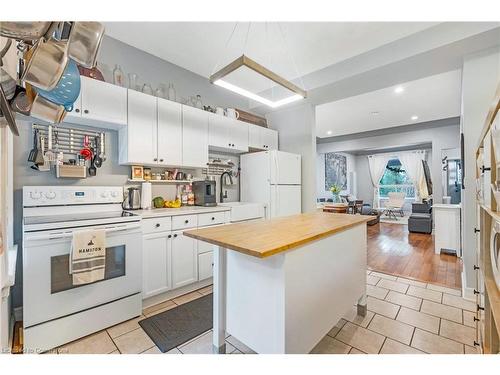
(171, 92)
(118, 76)
(132, 81)
(198, 103)
(147, 89)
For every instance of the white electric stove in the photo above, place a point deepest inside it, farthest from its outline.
(54, 310)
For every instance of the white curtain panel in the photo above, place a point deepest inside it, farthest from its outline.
(377, 164)
(412, 164)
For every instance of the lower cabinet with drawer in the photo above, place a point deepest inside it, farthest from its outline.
(172, 260)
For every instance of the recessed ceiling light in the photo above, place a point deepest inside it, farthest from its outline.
(375, 113)
(329, 132)
(399, 89)
(414, 118)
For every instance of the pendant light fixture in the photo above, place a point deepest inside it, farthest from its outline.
(217, 78)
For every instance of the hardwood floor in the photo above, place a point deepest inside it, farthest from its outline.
(392, 249)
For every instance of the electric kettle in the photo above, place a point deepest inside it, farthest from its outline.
(132, 200)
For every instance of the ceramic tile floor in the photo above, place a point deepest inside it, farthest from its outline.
(404, 317)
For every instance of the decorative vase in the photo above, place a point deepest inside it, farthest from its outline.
(336, 198)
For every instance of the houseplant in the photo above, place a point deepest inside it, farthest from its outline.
(336, 189)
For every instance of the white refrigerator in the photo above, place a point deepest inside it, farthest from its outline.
(272, 178)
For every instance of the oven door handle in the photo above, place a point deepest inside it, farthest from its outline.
(59, 235)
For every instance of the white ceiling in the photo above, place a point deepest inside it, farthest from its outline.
(431, 98)
(291, 49)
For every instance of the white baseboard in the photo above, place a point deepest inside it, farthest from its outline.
(467, 293)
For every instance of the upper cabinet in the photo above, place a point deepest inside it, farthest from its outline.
(138, 140)
(154, 132)
(261, 138)
(100, 104)
(226, 134)
(159, 132)
(194, 137)
(169, 132)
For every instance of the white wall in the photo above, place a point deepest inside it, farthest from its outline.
(297, 134)
(440, 138)
(480, 78)
(321, 191)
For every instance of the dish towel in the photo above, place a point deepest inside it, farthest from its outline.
(88, 256)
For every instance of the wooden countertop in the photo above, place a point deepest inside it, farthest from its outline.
(264, 238)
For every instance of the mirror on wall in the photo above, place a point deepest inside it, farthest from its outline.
(451, 166)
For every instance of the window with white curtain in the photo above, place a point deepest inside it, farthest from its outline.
(395, 179)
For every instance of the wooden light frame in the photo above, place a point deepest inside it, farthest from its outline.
(243, 60)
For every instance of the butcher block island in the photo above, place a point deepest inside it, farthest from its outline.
(280, 285)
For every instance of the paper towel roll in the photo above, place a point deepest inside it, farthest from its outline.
(146, 196)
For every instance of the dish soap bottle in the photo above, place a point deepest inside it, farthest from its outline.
(118, 78)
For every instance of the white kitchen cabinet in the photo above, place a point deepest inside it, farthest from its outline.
(99, 104)
(157, 254)
(227, 134)
(138, 141)
(169, 133)
(205, 266)
(261, 138)
(194, 137)
(184, 260)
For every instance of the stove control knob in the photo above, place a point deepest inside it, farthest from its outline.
(104, 194)
(50, 195)
(35, 195)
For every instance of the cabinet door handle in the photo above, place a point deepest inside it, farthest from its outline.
(186, 221)
(483, 169)
(480, 308)
(155, 159)
(175, 235)
(77, 110)
(477, 230)
(161, 160)
(169, 236)
(476, 319)
(476, 291)
(85, 111)
(475, 267)
(476, 343)
(213, 218)
(157, 225)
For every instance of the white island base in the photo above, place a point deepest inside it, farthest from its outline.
(286, 303)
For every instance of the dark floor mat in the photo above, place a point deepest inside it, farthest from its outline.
(176, 326)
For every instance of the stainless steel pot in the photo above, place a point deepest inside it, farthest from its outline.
(47, 63)
(24, 30)
(84, 42)
(44, 109)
